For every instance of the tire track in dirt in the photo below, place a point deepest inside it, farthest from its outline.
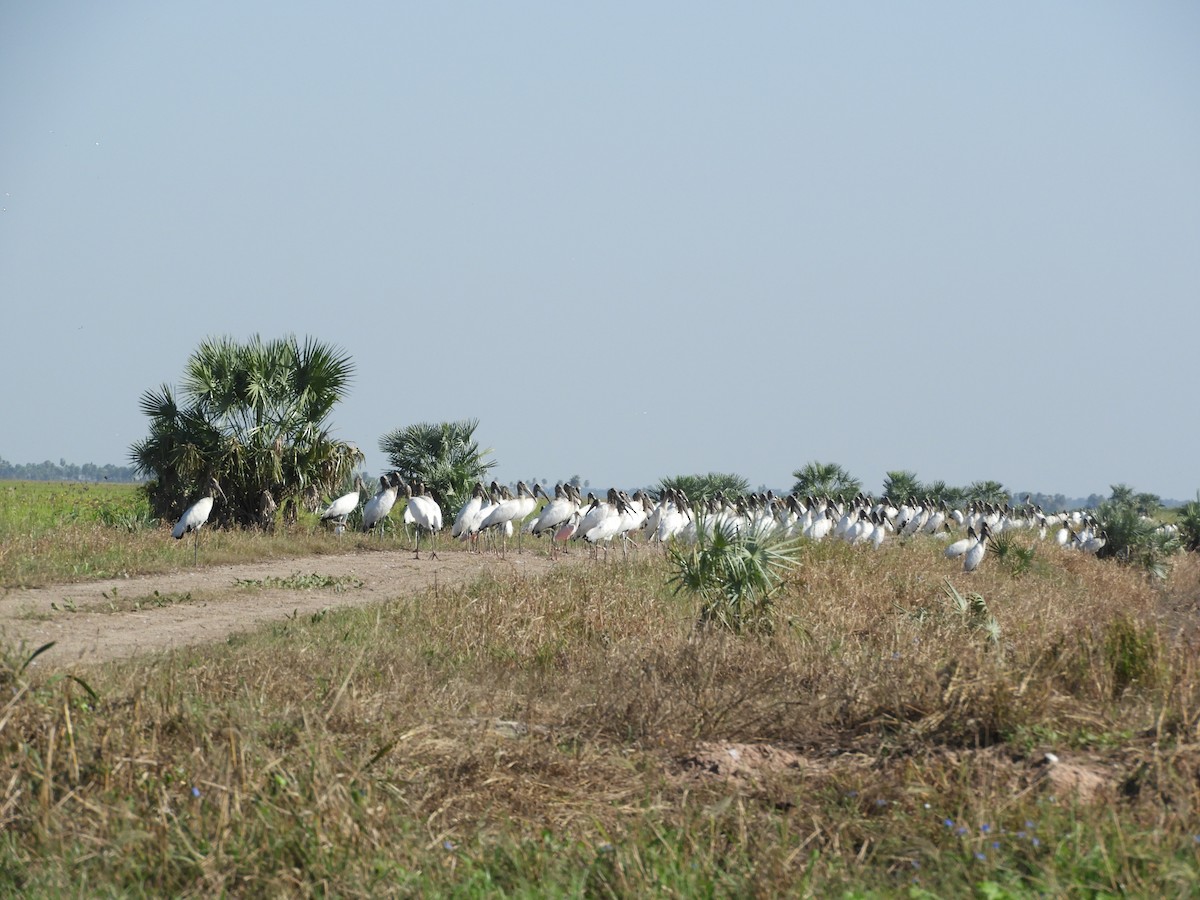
(207, 605)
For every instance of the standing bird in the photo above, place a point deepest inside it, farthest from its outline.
(961, 546)
(195, 516)
(469, 514)
(555, 513)
(339, 509)
(974, 555)
(426, 515)
(509, 512)
(378, 507)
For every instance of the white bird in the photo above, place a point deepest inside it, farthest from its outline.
(378, 507)
(195, 516)
(974, 555)
(426, 515)
(473, 521)
(469, 514)
(959, 547)
(606, 516)
(555, 513)
(510, 510)
(339, 509)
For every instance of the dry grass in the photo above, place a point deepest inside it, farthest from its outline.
(577, 734)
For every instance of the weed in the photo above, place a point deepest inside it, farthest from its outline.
(301, 582)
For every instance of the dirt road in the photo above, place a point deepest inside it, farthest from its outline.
(97, 621)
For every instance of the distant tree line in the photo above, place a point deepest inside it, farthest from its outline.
(65, 471)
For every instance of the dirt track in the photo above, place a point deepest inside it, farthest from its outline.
(98, 621)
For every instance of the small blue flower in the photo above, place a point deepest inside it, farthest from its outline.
(1029, 825)
(961, 829)
(1020, 834)
(196, 792)
(985, 827)
(449, 845)
(1036, 842)
(995, 845)
(949, 823)
(980, 855)
(881, 802)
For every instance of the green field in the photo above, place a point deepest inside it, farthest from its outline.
(577, 735)
(55, 532)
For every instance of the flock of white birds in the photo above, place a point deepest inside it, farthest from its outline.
(496, 511)
(637, 518)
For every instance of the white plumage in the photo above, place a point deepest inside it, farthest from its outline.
(425, 515)
(975, 553)
(195, 516)
(339, 509)
(381, 504)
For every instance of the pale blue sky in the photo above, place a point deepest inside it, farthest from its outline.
(634, 240)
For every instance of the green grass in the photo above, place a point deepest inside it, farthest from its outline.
(572, 735)
(52, 532)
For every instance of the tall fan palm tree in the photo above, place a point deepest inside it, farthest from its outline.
(445, 456)
(255, 416)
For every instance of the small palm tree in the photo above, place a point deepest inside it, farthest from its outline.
(1122, 494)
(900, 485)
(944, 493)
(1189, 524)
(825, 480)
(704, 487)
(986, 492)
(735, 573)
(445, 456)
(1133, 539)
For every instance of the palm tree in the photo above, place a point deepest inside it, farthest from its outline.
(444, 456)
(986, 492)
(1189, 524)
(254, 416)
(1122, 494)
(702, 487)
(943, 493)
(901, 484)
(826, 480)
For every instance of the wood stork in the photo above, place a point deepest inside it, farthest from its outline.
(377, 508)
(607, 515)
(975, 553)
(959, 547)
(195, 516)
(555, 513)
(426, 515)
(473, 522)
(339, 509)
(469, 514)
(510, 511)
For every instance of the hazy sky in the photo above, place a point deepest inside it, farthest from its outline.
(634, 240)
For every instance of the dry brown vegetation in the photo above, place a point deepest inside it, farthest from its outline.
(577, 733)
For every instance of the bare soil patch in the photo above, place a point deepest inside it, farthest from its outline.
(94, 622)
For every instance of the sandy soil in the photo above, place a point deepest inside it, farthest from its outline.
(94, 622)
